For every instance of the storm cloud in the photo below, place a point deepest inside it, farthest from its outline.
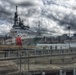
(54, 15)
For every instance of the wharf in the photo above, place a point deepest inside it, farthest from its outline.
(36, 61)
(48, 67)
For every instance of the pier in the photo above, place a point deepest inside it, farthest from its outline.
(41, 62)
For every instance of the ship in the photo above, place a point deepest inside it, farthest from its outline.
(28, 36)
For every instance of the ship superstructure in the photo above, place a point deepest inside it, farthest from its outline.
(19, 29)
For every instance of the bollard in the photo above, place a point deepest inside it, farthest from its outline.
(74, 71)
(43, 73)
(61, 72)
(64, 73)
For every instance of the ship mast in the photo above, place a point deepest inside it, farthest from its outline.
(15, 18)
(39, 31)
(16, 9)
(18, 22)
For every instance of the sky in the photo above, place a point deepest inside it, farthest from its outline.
(54, 16)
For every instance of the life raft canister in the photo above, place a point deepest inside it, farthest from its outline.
(18, 41)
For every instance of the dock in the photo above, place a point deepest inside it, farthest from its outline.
(41, 62)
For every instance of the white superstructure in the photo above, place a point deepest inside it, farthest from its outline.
(28, 36)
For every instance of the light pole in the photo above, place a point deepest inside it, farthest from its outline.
(39, 32)
(69, 36)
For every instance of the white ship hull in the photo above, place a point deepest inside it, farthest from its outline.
(28, 36)
(28, 40)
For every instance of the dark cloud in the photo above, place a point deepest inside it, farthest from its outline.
(50, 15)
(49, 2)
(21, 4)
(42, 11)
(4, 11)
(31, 12)
(10, 2)
(25, 4)
(69, 20)
(6, 14)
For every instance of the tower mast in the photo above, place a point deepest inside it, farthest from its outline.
(16, 8)
(15, 18)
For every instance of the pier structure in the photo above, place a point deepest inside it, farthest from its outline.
(41, 62)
